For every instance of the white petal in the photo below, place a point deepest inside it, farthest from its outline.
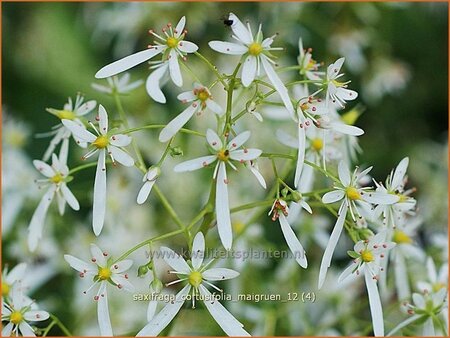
(64, 151)
(245, 154)
(346, 94)
(403, 324)
(175, 261)
(198, 250)
(153, 83)
(195, 164)
(346, 129)
(278, 84)
(120, 140)
(122, 266)
(305, 206)
(332, 242)
(401, 277)
(249, 70)
(61, 202)
(187, 47)
(44, 168)
(214, 107)
(177, 123)
(188, 96)
(26, 329)
(99, 205)
(300, 155)
(174, 69)
(80, 265)
(344, 174)
(69, 197)
(334, 69)
(379, 197)
(123, 282)
(86, 108)
(431, 270)
(145, 192)
(151, 309)
(399, 173)
(36, 316)
(16, 274)
(230, 325)
(239, 140)
(6, 331)
(240, 30)
(258, 176)
(428, 328)
(347, 272)
(223, 209)
(213, 140)
(121, 156)
(103, 120)
(127, 62)
(293, 242)
(333, 196)
(79, 131)
(165, 316)
(228, 47)
(104, 321)
(37, 221)
(375, 304)
(97, 255)
(180, 27)
(219, 274)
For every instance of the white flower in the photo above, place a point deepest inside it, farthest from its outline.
(201, 99)
(436, 280)
(18, 312)
(57, 178)
(395, 184)
(308, 66)
(71, 111)
(11, 278)
(102, 143)
(171, 46)
(224, 154)
(257, 54)
(102, 271)
(351, 194)
(149, 180)
(197, 276)
(280, 210)
(337, 91)
(367, 255)
(426, 308)
(119, 84)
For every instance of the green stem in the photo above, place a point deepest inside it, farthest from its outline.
(274, 155)
(82, 167)
(213, 68)
(323, 171)
(252, 205)
(230, 90)
(61, 325)
(168, 207)
(148, 241)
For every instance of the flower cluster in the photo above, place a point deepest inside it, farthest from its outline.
(380, 218)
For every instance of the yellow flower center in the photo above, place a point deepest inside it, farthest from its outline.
(255, 49)
(65, 114)
(172, 42)
(353, 193)
(57, 178)
(437, 286)
(317, 144)
(311, 64)
(402, 198)
(203, 95)
(223, 155)
(5, 289)
(337, 83)
(101, 142)
(16, 317)
(17, 139)
(104, 273)
(400, 237)
(367, 256)
(195, 279)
